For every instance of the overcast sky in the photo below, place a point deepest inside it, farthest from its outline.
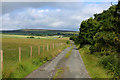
(48, 15)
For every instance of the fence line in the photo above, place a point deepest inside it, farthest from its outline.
(19, 54)
(1, 60)
(53, 45)
(49, 47)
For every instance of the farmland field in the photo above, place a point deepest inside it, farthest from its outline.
(36, 37)
(10, 45)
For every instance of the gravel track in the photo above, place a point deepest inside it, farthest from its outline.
(73, 66)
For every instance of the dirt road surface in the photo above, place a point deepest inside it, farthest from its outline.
(71, 67)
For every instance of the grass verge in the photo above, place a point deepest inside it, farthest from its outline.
(91, 63)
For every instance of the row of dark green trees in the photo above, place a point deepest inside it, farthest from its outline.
(103, 34)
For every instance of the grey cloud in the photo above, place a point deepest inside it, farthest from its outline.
(58, 16)
(12, 6)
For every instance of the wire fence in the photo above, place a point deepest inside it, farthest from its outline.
(19, 54)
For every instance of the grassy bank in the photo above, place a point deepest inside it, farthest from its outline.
(15, 69)
(92, 64)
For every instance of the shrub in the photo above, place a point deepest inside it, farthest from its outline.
(67, 42)
(112, 64)
(31, 37)
(38, 37)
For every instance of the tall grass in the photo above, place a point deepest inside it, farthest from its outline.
(15, 69)
(92, 64)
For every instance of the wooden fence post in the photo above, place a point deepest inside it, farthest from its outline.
(19, 54)
(31, 51)
(1, 60)
(53, 45)
(38, 50)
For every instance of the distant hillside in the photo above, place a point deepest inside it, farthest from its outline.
(40, 32)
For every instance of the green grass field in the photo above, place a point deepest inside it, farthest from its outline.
(15, 69)
(35, 37)
(91, 63)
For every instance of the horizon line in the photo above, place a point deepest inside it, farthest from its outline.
(38, 29)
